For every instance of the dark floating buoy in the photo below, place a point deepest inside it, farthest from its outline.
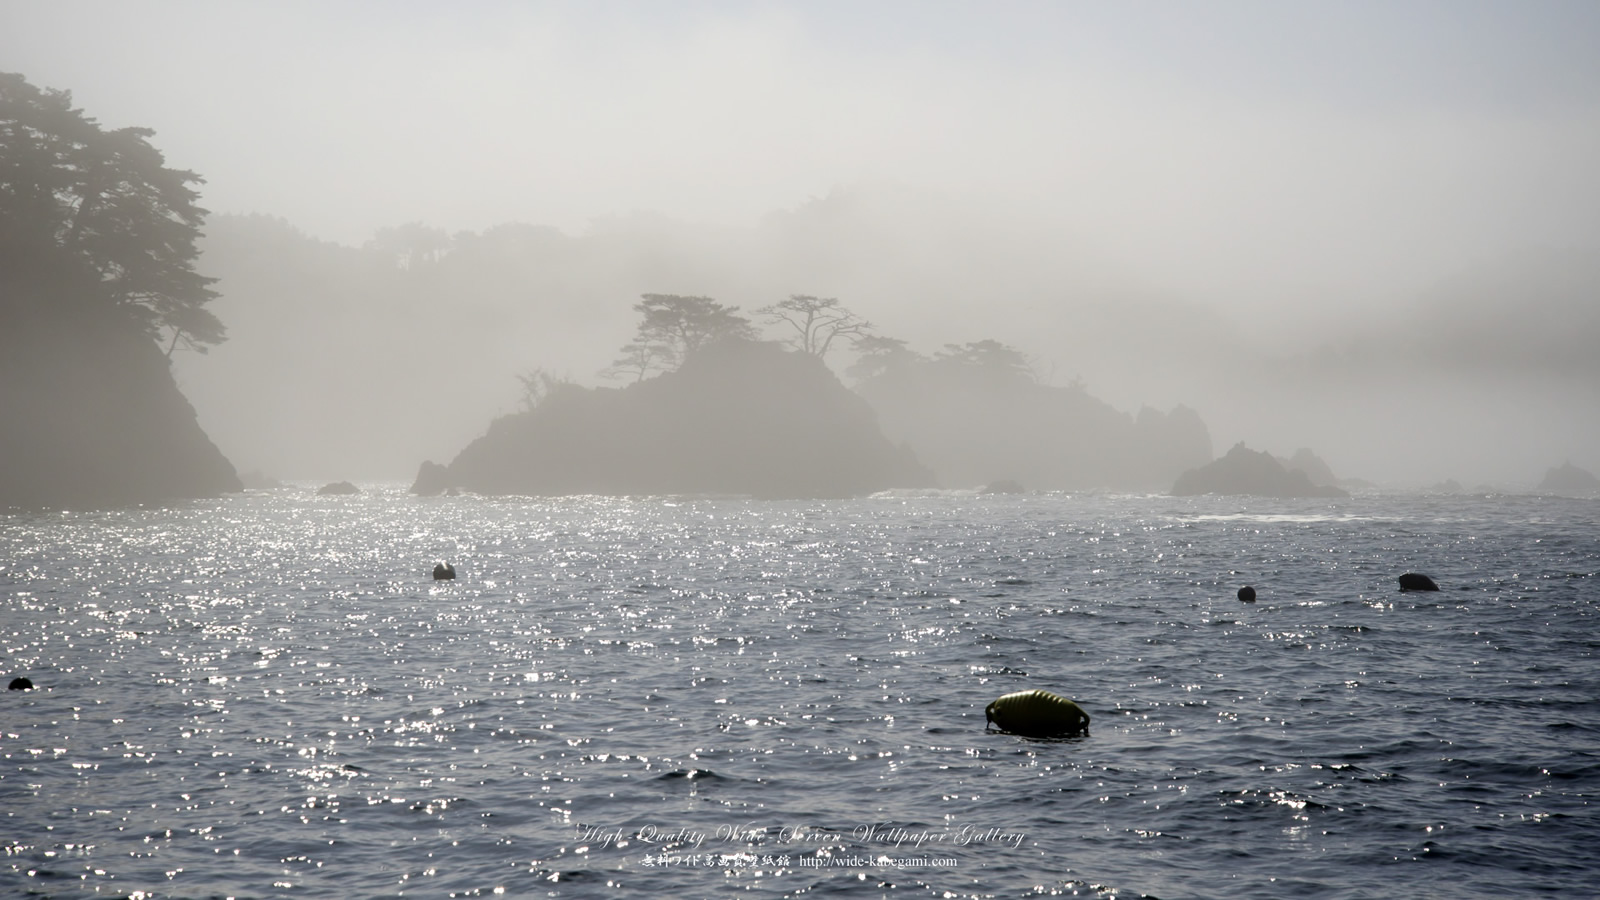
(1037, 714)
(1247, 594)
(20, 684)
(444, 572)
(1411, 581)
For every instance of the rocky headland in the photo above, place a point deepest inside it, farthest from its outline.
(93, 415)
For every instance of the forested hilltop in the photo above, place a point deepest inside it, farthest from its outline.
(98, 289)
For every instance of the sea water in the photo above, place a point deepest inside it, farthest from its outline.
(268, 695)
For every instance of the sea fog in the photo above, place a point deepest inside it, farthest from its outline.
(1363, 230)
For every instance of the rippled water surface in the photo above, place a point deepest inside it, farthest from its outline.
(267, 695)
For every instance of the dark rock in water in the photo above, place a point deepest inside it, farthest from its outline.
(1245, 471)
(20, 684)
(338, 487)
(739, 417)
(1412, 581)
(1569, 479)
(432, 479)
(1247, 594)
(444, 572)
(1003, 486)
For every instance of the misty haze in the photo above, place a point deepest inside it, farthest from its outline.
(641, 449)
(1341, 230)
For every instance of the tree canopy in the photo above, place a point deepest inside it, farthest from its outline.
(673, 327)
(817, 322)
(412, 244)
(104, 204)
(880, 355)
(986, 362)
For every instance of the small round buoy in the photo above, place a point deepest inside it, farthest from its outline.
(1247, 594)
(1037, 714)
(20, 684)
(443, 572)
(1412, 581)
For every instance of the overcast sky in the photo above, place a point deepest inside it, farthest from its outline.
(1231, 150)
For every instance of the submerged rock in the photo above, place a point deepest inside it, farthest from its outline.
(338, 487)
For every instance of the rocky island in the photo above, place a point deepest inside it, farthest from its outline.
(1246, 471)
(977, 414)
(738, 416)
(1569, 480)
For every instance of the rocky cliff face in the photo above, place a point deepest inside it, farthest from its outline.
(92, 414)
(738, 418)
